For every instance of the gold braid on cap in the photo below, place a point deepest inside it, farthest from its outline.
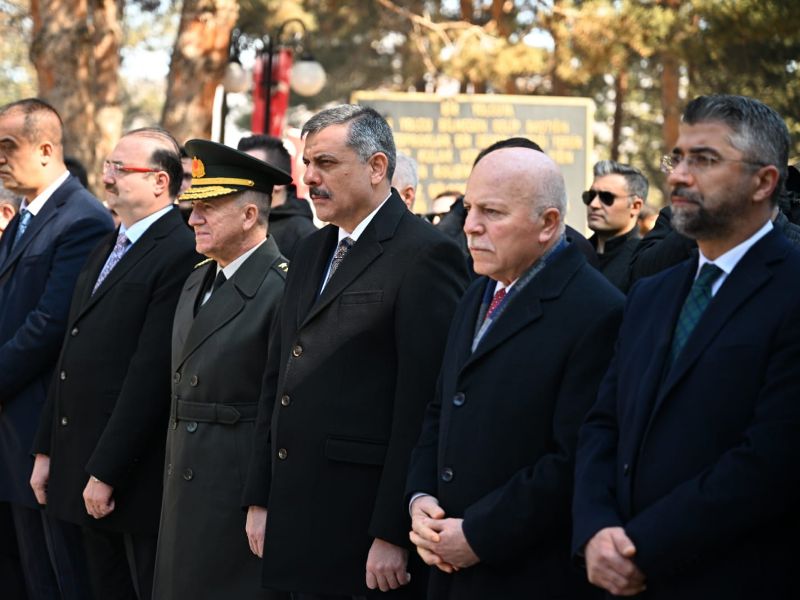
(207, 191)
(223, 181)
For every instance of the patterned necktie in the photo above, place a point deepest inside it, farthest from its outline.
(116, 254)
(496, 300)
(25, 217)
(693, 308)
(341, 251)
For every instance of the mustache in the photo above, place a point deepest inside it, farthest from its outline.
(315, 191)
(472, 245)
(683, 192)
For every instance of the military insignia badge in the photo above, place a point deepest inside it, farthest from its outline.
(198, 168)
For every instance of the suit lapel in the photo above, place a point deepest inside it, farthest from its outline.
(750, 275)
(313, 278)
(229, 300)
(361, 255)
(184, 313)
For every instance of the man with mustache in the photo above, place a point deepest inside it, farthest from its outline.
(491, 477)
(367, 304)
(686, 477)
(612, 204)
(100, 444)
(41, 252)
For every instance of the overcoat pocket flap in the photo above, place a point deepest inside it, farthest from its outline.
(355, 451)
(362, 297)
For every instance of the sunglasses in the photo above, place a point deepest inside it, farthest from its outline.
(606, 198)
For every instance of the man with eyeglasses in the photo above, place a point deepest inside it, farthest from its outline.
(686, 474)
(612, 209)
(100, 444)
(41, 253)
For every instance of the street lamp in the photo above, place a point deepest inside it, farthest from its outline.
(274, 74)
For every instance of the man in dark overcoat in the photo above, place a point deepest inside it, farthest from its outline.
(687, 483)
(100, 444)
(222, 329)
(41, 253)
(490, 480)
(367, 305)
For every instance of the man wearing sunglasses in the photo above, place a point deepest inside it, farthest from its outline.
(687, 481)
(100, 445)
(612, 209)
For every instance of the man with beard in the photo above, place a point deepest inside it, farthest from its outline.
(686, 474)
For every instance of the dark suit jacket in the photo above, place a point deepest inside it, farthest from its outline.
(497, 445)
(218, 362)
(355, 369)
(699, 465)
(107, 408)
(36, 283)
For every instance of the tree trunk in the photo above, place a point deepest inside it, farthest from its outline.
(670, 99)
(620, 94)
(75, 50)
(197, 66)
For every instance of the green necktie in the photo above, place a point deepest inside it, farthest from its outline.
(693, 308)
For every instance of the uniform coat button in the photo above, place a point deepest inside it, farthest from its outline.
(62, 376)
(191, 427)
(64, 421)
(169, 469)
(626, 468)
(74, 332)
(176, 378)
(188, 474)
(297, 351)
(194, 381)
(282, 454)
(285, 400)
(447, 474)
(459, 398)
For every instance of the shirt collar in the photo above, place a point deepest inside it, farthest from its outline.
(36, 205)
(356, 233)
(730, 259)
(234, 265)
(135, 231)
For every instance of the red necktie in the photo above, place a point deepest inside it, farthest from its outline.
(496, 300)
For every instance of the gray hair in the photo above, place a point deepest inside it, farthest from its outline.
(635, 180)
(759, 132)
(260, 199)
(405, 172)
(9, 197)
(551, 193)
(368, 131)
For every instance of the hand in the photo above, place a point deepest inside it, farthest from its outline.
(98, 498)
(256, 527)
(386, 566)
(609, 563)
(424, 510)
(39, 477)
(451, 547)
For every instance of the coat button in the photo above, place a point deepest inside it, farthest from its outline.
(176, 378)
(173, 424)
(282, 454)
(191, 427)
(194, 381)
(626, 468)
(297, 351)
(458, 399)
(285, 400)
(62, 376)
(447, 474)
(64, 421)
(74, 332)
(169, 469)
(188, 474)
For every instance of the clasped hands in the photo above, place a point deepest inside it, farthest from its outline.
(609, 563)
(440, 541)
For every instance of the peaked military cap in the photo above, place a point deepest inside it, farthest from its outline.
(218, 170)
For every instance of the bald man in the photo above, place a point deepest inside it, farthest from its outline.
(491, 477)
(41, 252)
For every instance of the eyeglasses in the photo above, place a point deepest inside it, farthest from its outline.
(698, 162)
(116, 168)
(606, 198)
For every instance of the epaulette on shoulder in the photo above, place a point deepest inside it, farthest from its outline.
(203, 262)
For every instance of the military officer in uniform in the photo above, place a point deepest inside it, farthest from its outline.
(220, 338)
